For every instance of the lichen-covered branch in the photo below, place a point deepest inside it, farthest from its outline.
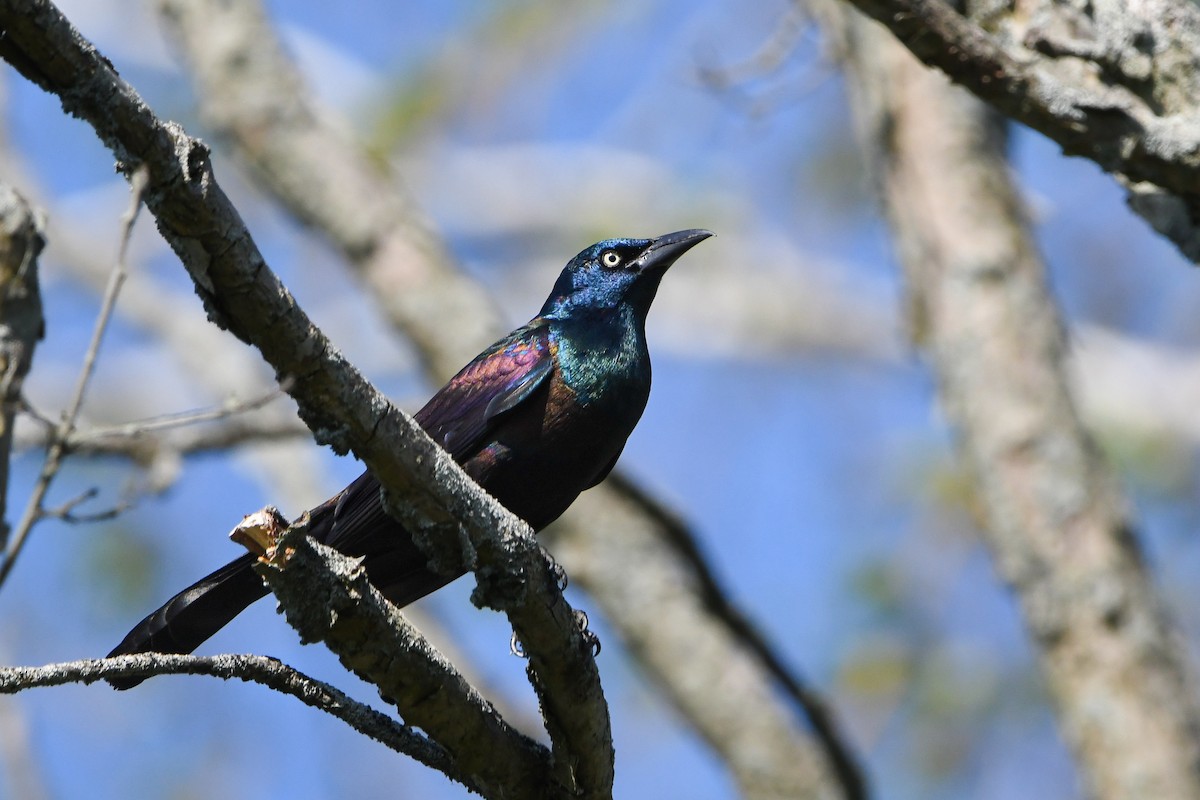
(326, 597)
(1054, 517)
(244, 296)
(1114, 81)
(257, 669)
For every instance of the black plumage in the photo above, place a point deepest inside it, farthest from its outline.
(535, 419)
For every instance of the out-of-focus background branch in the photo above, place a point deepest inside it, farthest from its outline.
(1057, 525)
(789, 431)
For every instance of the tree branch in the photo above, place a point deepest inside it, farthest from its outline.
(1085, 90)
(1054, 517)
(326, 597)
(251, 668)
(244, 296)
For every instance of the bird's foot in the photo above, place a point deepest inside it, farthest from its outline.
(589, 637)
(516, 648)
(581, 621)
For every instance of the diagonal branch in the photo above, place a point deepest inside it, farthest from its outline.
(327, 597)
(1115, 82)
(1054, 518)
(244, 296)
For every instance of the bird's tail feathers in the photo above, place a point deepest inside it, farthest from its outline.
(185, 621)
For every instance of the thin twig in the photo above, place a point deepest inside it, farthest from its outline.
(175, 420)
(770, 56)
(254, 668)
(58, 445)
(66, 511)
(21, 321)
(37, 416)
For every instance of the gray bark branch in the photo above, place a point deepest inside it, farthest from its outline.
(326, 597)
(1055, 519)
(244, 296)
(257, 669)
(1113, 81)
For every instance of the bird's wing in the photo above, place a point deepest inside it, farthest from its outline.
(464, 412)
(459, 418)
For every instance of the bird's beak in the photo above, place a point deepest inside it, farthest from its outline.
(664, 250)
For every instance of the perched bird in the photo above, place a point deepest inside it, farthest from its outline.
(535, 419)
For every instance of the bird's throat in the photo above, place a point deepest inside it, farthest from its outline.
(604, 360)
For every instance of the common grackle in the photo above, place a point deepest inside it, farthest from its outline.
(535, 419)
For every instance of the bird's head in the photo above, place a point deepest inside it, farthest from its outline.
(617, 272)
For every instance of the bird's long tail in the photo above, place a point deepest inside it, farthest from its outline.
(192, 616)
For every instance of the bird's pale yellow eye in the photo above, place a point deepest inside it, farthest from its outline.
(610, 259)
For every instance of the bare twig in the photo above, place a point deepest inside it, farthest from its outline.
(253, 668)
(66, 511)
(128, 430)
(34, 511)
(141, 446)
(775, 50)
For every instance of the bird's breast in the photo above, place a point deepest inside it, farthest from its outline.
(553, 447)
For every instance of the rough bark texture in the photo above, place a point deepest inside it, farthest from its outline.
(327, 597)
(258, 669)
(1054, 517)
(1115, 81)
(242, 295)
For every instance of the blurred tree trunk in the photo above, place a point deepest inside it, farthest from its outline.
(1052, 512)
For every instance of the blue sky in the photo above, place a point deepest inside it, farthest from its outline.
(810, 477)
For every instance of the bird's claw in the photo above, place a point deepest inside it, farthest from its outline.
(560, 574)
(590, 638)
(581, 621)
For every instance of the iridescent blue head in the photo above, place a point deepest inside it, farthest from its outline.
(617, 273)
